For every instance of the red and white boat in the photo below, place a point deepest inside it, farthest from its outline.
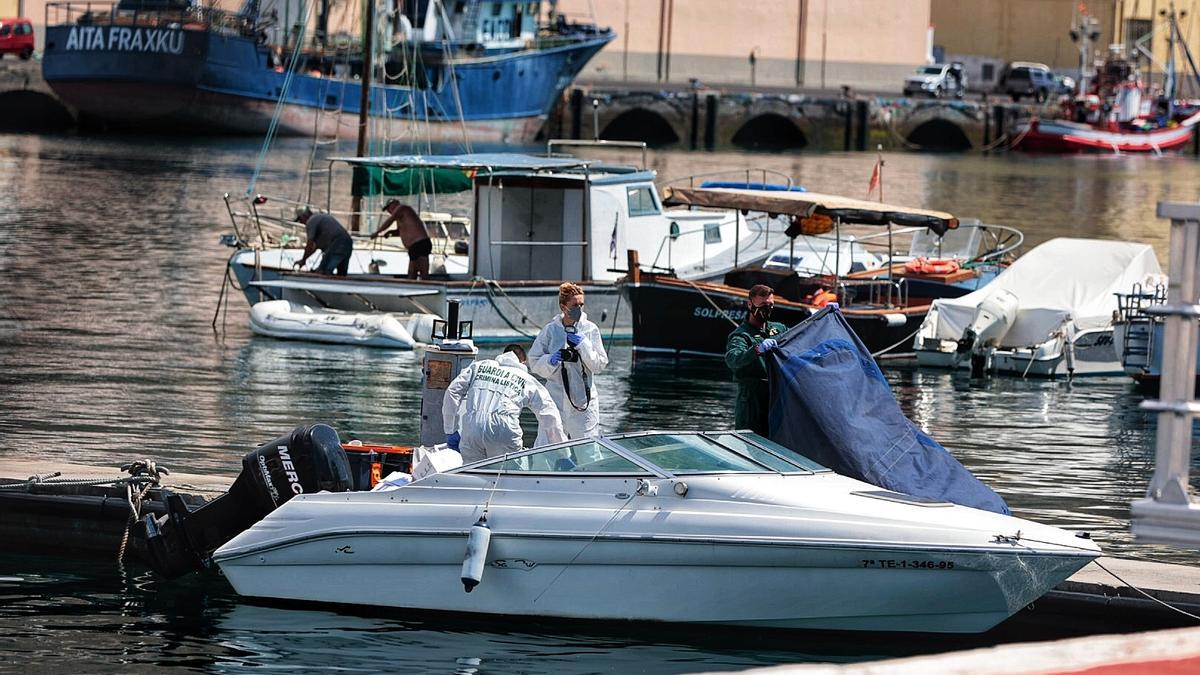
(1039, 135)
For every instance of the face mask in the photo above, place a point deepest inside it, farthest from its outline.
(763, 312)
(575, 313)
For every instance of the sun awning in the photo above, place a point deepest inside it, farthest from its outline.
(482, 161)
(814, 213)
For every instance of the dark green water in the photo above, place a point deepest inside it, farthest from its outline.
(109, 273)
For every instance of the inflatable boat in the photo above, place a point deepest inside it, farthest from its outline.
(290, 320)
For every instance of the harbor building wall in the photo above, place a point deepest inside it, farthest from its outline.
(866, 44)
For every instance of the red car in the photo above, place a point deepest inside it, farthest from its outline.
(16, 37)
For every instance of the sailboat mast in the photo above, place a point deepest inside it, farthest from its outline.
(364, 104)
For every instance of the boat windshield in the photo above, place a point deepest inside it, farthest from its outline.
(690, 453)
(768, 452)
(584, 457)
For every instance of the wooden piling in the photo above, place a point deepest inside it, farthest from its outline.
(861, 108)
(998, 122)
(710, 122)
(576, 113)
(847, 124)
(634, 273)
(695, 130)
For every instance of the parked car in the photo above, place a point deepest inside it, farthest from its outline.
(937, 80)
(16, 37)
(1066, 84)
(1027, 79)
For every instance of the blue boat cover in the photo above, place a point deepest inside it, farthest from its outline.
(831, 403)
(767, 187)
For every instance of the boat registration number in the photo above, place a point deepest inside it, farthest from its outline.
(909, 564)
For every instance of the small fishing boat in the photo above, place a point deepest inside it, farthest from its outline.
(536, 222)
(1115, 114)
(289, 320)
(883, 304)
(1062, 136)
(1050, 313)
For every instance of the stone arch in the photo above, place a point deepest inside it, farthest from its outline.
(26, 110)
(939, 135)
(770, 131)
(640, 124)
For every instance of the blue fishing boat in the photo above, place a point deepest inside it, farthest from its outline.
(487, 69)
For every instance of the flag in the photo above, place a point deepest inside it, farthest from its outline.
(874, 178)
(612, 242)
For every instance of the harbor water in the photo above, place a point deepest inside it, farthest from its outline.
(110, 267)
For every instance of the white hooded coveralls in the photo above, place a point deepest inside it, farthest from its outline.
(490, 394)
(577, 423)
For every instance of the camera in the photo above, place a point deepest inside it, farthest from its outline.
(570, 354)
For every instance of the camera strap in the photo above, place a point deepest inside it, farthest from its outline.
(587, 386)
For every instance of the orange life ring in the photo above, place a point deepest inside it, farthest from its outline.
(822, 298)
(934, 266)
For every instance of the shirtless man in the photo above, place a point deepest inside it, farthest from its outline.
(412, 234)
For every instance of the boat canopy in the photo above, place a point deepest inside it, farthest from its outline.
(815, 213)
(489, 162)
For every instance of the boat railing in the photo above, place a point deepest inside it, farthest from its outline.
(1132, 306)
(594, 143)
(746, 175)
(108, 14)
(880, 292)
(275, 226)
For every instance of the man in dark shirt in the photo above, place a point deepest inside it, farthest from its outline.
(743, 355)
(326, 233)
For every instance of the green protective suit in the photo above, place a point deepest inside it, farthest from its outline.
(750, 372)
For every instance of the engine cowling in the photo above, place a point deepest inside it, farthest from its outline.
(309, 459)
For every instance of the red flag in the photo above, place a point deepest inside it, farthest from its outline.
(874, 179)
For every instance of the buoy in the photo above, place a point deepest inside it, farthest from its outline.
(477, 550)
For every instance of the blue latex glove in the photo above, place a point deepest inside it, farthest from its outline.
(766, 345)
(555, 358)
(574, 339)
(835, 306)
(453, 440)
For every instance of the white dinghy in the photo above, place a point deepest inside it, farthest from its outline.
(290, 320)
(718, 527)
(1050, 313)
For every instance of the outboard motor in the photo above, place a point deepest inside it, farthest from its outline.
(991, 322)
(309, 459)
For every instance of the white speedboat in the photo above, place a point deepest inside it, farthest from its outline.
(1050, 313)
(289, 320)
(713, 528)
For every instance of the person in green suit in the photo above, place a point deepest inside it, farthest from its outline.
(743, 354)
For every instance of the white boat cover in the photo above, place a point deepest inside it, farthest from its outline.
(1062, 280)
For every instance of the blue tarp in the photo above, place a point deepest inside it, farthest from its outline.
(831, 403)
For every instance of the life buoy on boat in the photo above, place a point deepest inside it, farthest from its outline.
(931, 266)
(824, 298)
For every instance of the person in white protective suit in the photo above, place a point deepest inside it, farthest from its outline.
(489, 394)
(568, 353)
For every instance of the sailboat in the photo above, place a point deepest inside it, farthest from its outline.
(489, 70)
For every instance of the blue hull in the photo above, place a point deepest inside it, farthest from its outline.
(181, 79)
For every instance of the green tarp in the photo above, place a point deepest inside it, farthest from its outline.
(371, 181)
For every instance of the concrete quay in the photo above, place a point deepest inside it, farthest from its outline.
(27, 103)
(786, 119)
